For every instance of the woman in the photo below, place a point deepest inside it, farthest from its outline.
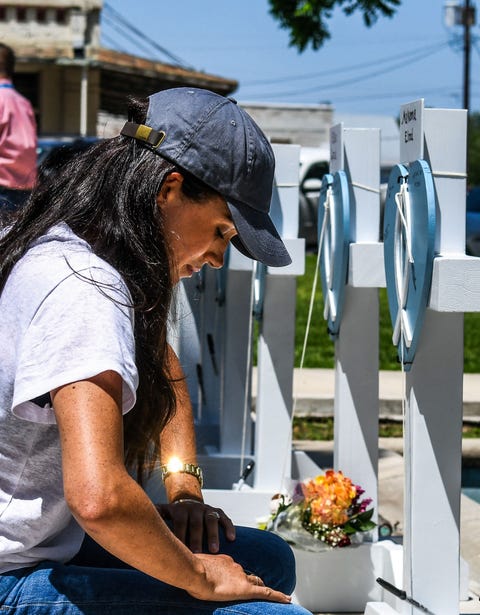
(86, 277)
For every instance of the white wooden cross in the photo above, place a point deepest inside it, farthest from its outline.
(433, 421)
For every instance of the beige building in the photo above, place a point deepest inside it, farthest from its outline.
(304, 124)
(75, 85)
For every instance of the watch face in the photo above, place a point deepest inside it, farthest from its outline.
(409, 240)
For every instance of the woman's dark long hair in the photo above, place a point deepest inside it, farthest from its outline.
(107, 196)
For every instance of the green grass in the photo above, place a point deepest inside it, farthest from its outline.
(320, 348)
(313, 428)
(320, 353)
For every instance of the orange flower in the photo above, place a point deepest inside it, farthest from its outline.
(329, 497)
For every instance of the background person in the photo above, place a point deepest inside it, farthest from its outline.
(86, 277)
(18, 138)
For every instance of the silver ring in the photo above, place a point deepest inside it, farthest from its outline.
(213, 513)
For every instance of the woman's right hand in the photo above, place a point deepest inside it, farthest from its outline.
(225, 580)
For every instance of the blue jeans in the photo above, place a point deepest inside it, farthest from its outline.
(96, 583)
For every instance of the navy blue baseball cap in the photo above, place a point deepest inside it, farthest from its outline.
(215, 140)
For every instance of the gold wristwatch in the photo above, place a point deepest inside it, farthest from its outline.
(175, 467)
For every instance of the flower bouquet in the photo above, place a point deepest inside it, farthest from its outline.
(324, 512)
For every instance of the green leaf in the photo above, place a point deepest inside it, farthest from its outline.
(349, 528)
(366, 515)
(306, 20)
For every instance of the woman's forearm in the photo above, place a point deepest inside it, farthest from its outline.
(178, 438)
(126, 523)
(103, 497)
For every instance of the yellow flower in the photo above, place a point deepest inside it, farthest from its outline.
(329, 497)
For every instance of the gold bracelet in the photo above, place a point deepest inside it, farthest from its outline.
(184, 468)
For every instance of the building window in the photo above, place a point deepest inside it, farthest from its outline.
(41, 15)
(21, 14)
(61, 16)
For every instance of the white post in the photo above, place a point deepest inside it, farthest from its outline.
(433, 436)
(357, 152)
(199, 317)
(236, 386)
(84, 99)
(272, 428)
(433, 413)
(276, 345)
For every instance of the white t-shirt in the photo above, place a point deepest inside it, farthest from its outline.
(65, 315)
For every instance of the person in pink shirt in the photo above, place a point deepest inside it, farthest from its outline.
(18, 138)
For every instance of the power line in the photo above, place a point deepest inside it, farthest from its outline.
(390, 94)
(141, 36)
(356, 79)
(112, 42)
(126, 35)
(404, 56)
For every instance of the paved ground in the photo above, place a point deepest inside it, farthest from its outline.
(314, 389)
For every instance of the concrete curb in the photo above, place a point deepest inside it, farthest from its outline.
(388, 408)
(314, 391)
(470, 448)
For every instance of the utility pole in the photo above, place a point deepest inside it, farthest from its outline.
(468, 20)
(457, 14)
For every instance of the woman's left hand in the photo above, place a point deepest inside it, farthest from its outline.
(191, 518)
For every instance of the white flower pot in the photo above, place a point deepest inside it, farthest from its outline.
(340, 579)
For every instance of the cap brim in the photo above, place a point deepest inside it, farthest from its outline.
(257, 236)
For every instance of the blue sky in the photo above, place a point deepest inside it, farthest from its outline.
(359, 70)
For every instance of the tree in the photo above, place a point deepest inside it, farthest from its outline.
(306, 19)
